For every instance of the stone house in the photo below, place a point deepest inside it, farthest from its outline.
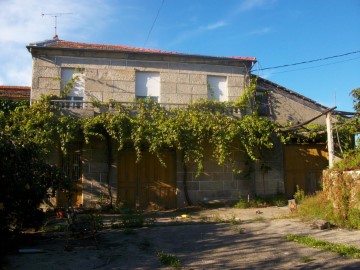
(123, 74)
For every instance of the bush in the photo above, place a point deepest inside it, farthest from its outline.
(316, 206)
(25, 181)
(299, 194)
(319, 207)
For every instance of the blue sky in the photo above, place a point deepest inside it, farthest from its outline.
(276, 32)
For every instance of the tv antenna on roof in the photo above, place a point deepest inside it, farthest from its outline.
(55, 16)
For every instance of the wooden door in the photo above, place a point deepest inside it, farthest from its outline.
(303, 166)
(147, 184)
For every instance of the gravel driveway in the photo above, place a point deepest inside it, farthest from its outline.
(223, 238)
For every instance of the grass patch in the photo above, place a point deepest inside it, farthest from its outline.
(168, 259)
(343, 250)
(319, 207)
(306, 259)
(232, 220)
(261, 202)
(55, 228)
(351, 162)
(131, 220)
(258, 219)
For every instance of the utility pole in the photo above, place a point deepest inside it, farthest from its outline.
(330, 140)
(55, 16)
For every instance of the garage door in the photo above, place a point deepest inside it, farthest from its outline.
(147, 184)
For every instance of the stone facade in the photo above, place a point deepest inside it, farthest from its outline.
(113, 80)
(110, 75)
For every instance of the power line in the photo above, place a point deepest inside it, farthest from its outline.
(291, 70)
(310, 61)
(153, 24)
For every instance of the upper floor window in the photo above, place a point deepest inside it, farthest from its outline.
(73, 85)
(147, 85)
(217, 88)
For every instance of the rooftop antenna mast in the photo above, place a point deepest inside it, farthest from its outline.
(55, 16)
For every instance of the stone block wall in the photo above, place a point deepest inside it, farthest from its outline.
(269, 171)
(215, 182)
(114, 79)
(343, 189)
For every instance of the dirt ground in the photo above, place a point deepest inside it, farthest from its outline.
(223, 238)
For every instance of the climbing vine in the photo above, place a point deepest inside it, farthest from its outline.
(146, 126)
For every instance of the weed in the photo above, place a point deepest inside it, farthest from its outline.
(257, 202)
(238, 229)
(306, 259)
(350, 162)
(232, 220)
(203, 218)
(299, 195)
(168, 259)
(55, 228)
(315, 206)
(258, 219)
(132, 220)
(319, 207)
(342, 250)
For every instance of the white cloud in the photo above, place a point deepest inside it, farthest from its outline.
(212, 26)
(248, 5)
(21, 23)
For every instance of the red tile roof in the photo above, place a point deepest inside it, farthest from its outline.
(56, 43)
(14, 92)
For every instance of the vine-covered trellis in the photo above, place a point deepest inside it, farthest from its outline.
(147, 126)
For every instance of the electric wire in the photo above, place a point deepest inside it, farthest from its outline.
(292, 70)
(153, 24)
(309, 61)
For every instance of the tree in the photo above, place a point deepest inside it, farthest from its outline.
(25, 181)
(355, 93)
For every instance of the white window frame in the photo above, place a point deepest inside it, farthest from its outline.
(77, 93)
(147, 84)
(218, 88)
(67, 74)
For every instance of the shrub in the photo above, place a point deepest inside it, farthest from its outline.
(299, 194)
(319, 207)
(25, 181)
(168, 259)
(316, 206)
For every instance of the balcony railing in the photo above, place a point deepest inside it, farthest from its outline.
(78, 106)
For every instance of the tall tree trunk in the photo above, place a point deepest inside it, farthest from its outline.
(186, 193)
(109, 163)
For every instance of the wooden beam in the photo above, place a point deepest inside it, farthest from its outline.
(330, 140)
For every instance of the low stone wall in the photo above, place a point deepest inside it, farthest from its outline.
(343, 189)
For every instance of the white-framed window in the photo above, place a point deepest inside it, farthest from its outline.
(217, 88)
(147, 85)
(76, 78)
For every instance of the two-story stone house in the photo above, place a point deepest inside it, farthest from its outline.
(123, 74)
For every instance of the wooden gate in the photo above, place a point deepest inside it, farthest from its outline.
(147, 184)
(71, 165)
(303, 167)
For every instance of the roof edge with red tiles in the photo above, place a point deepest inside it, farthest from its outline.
(15, 92)
(63, 44)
